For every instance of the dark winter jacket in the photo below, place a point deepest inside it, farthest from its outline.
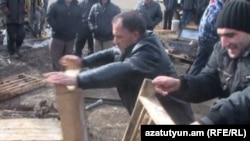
(151, 13)
(14, 10)
(64, 20)
(85, 8)
(126, 72)
(100, 20)
(170, 4)
(188, 4)
(201, 5)
(222, 77)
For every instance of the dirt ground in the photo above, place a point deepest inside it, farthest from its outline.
(106, 122)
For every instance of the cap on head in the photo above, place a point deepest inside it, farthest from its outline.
(235, 15)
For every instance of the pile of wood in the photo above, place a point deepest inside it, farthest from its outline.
(18, 84)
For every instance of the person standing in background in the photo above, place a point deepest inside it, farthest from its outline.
(84, 33)
(151, 12)
(200, 7)
(64, 17)
(188, 7)
(207, 36)
(100, 23)
(14, 11)
(170, 6)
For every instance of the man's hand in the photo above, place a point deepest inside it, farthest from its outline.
(60, 78)
(71, 62)
(165, 84)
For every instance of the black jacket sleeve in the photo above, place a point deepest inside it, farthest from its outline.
(204, 86)
(232, 110)
(51, 17)
(113, 74)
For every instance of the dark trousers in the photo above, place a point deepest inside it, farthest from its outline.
(186, 18)
(84, 35)
(16, 35)
(204, 51)
(168, 15)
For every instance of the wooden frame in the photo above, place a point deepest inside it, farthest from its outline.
(148, 110)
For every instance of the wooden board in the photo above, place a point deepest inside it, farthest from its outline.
(18, 84)
(30, 130)
(148, 110)
(70, 102)
(71, 110)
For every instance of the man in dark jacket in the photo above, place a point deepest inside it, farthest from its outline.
(227, 73)
(151, 12)
(170, 6)
(14, 13)
(64, 17)
(200, 6)
(85, 33)
(188, 7)
(100, 23)
(137, 55)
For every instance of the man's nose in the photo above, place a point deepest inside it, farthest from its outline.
(224, 41)
(115, 41)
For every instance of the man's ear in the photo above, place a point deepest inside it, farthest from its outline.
(136, 35)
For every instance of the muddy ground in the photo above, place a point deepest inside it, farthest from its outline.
(106, 122)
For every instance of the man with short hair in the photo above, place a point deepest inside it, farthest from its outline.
(226, 75)
(64, 17)
(100, 23)
(151, 12)
(138, 54)
(84, 34)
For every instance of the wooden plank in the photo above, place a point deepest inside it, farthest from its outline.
(164, 31)
(71, 110)
(30, 130)
(148, 110)
(25, 114)
(138, 123)
(133, 121)
(156, 111)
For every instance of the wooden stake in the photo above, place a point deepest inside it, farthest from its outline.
(70, 104)
(71, 110)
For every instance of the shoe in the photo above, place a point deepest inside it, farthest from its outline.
(14, 56)
(18, 54)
